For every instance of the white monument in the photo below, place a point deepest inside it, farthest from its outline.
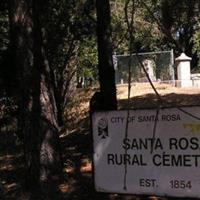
(183, 71)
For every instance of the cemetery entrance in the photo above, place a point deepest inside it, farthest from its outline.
(164, 161)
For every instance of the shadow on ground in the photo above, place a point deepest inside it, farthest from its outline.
(77, 183)
(168, 100)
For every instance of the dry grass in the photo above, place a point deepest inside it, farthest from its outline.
(76, 141)
(143, 96)
(79, 107)
(142, 89)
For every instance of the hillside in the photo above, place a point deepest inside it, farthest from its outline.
(76, 182)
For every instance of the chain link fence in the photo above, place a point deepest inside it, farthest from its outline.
(159, 66)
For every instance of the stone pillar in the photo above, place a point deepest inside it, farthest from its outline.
(183, 71)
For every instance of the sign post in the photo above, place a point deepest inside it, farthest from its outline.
(164, 163)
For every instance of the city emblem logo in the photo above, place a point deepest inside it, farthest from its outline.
(103, 128)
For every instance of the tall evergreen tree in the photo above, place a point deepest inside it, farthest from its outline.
(37, 120)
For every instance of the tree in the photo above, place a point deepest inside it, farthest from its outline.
(105, 63)
(37, 120)
(70, 25)
(5, 82)
(180, 20)
(177, 24)
(196, 42)
(87, 61)
(3, 27)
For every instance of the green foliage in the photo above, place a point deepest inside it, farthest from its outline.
(3, 31)
(146, 33)
(119, 29)
(68, 24)
(158, 25)
(4, 40)
(87, 59)
(71, 28)
(196, 41)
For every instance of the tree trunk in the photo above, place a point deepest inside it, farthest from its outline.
(105, 65)
(37, 110)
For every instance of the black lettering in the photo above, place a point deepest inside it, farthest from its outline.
(176, 160)
(140, 119)
(183, 143)
(187, 161)
(131, 119)
(148, 118)
(148, 182)
(194, 143)
(135, 160)
(156, 160)
(118, 159)
(127, 159)
(166, 159)
(173, 143)
(172, 117)
(158, 144)
(143, 143)
(142, 182)
(196, 160)
(126, 144)
(110, 159)
(134, 144)
(142, 163)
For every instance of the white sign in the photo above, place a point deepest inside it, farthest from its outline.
(159, 155)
